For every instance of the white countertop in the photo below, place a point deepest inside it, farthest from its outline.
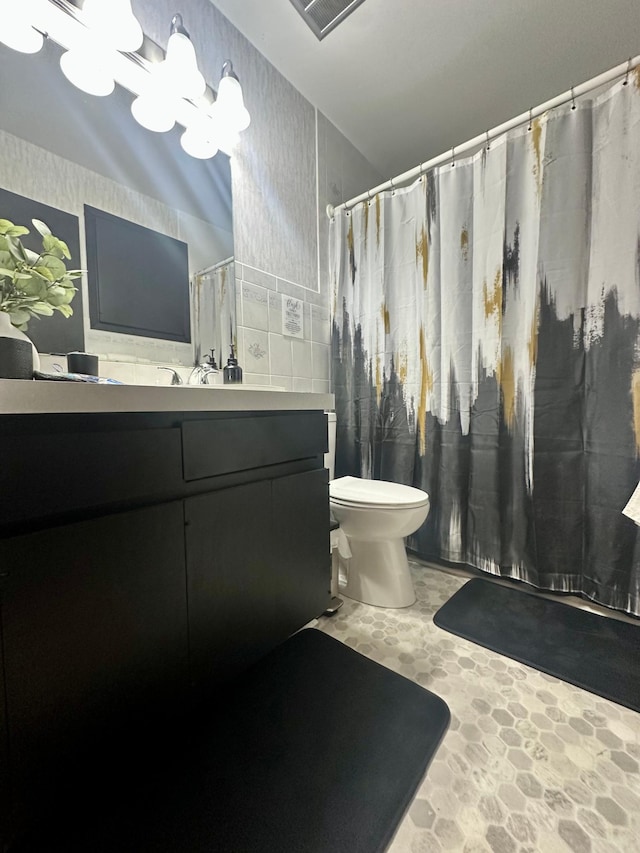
(22, 397)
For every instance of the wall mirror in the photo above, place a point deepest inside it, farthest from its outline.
(63, 150)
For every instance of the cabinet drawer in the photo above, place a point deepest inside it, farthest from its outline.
(49, 474)
(221, 446)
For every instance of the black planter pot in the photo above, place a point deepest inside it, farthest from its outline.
(16, 359)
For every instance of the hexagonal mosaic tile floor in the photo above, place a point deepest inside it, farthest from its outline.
(530, 764)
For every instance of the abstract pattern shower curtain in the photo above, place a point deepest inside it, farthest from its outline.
(486, 348)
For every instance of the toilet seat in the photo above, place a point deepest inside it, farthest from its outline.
(381, 494)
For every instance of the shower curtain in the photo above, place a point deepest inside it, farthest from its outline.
(486, 348)
(213, 299)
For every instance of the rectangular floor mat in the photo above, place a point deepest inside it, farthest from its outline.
(598, 653)
(317, 749)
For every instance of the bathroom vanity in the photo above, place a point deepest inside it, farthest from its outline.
(153, 543)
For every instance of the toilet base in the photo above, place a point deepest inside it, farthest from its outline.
(378, 573)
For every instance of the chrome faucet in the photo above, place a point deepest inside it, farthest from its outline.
(176, 379)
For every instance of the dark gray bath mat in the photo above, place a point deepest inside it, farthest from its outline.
(316, 750)
(598, 653)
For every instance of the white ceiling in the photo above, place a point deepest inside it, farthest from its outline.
(405, 80)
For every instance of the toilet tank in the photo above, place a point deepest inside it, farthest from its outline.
(330, 457)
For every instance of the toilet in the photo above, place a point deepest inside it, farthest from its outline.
(375, 516)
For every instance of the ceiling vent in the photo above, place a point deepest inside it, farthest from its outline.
(325, 15)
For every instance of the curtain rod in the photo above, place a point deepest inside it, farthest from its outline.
(622, 70)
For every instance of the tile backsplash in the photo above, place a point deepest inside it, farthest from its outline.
(129, 372)
(266, 355)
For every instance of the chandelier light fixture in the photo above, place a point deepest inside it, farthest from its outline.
(104, 44)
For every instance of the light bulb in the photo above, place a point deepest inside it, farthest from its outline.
(89, 69)
(154, 111)
(229, 108)
(199, 139)
(17, 31)
(179, 69)
(114, 22)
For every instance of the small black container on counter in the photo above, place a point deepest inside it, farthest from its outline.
(16, 359)
(82, 362)
(232, 371)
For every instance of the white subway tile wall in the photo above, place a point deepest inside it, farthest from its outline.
(265, 354)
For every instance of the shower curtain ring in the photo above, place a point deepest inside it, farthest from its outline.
(453, 157)
(393, 189)
(573, 99)
(626, 76)
(488, 145)
(530, 117)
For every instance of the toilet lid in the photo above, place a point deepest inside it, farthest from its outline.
(356, 491)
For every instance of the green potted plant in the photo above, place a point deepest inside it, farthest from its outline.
(32, 284)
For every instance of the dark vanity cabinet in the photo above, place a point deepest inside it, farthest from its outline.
(153, 559)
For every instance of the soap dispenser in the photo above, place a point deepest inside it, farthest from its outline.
(232, 371)
(211, 360)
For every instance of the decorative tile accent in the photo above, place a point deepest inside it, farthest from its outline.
(254, 350)
(530, 764)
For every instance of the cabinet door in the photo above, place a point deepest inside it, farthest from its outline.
(302, 583)
(229, 580)
(95, 630)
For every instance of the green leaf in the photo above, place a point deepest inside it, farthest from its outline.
(45, 272)
(35, 287)
(49, 242)
(19, 316)
(42, 308)
(4, 271)
(14, 247)
(5, 226)
(41, 227)
(17, 231)
(65, 310)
